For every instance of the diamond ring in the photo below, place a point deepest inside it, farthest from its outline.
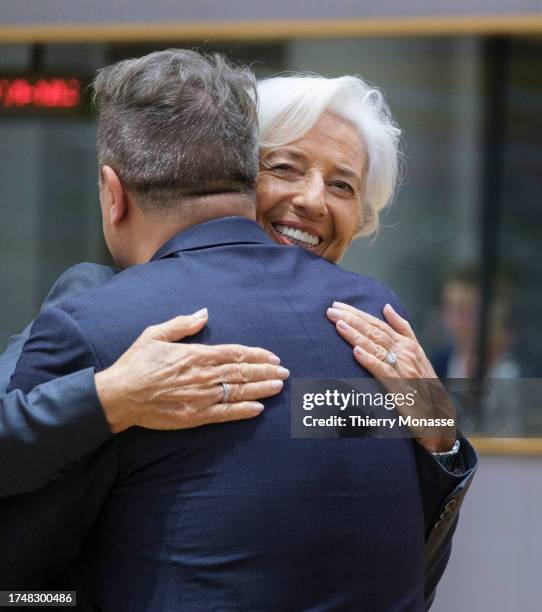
(390, 358)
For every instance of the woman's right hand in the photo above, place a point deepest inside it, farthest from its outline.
(159, 383)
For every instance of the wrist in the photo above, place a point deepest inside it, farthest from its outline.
(438, 445)
(451, 452)
(111, 400)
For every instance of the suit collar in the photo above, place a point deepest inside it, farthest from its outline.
(218, 232)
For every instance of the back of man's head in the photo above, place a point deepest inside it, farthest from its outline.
(177, 124)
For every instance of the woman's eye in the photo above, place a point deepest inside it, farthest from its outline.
(282, 168)
(342, 186)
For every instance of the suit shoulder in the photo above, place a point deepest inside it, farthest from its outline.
(360, 284)
(87, 272)
(78, 279)
(364, 282)
(102, 285)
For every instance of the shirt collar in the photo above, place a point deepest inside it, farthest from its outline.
(218, 232)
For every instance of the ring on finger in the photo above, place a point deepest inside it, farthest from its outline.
(390, 358)
(374, 333)
(226, 392)
(380, 352)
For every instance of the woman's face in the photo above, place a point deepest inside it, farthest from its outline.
(309, 191)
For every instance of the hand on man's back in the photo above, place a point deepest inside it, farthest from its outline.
(159, 383)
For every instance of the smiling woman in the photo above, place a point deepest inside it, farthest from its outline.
(328, 167)
(309, 191)
(328, 161)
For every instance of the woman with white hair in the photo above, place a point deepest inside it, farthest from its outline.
(290, 107)
(328, 167)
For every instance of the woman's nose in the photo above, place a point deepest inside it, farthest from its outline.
(312, 196)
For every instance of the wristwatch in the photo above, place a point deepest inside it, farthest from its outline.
(448, 459)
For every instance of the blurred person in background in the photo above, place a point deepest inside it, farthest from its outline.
(328, 166)
(497, 406)
(460, 307)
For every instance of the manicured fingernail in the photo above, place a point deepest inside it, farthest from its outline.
(389, 306)
(277, 384)
(342, 325)
(274, 360)
(200, 314)
(333, 313)
(283, 372)
(358, 351)
(257, 406)
(340, 305)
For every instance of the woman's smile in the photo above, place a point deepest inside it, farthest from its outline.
(296, 233)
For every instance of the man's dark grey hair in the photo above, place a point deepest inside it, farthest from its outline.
(175, 124)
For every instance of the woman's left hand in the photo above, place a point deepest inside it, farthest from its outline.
(390, 351)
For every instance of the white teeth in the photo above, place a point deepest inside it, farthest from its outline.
(303, 238)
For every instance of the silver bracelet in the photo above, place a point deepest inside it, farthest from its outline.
(453, 451)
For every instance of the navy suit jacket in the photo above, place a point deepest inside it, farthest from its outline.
(43, 432)
(240, 515)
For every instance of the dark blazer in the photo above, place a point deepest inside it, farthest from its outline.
(240, 515)
(43, 432)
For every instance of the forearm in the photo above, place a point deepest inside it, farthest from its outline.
(43, 432)
(9, 358)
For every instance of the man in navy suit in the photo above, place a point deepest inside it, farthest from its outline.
(239, 516)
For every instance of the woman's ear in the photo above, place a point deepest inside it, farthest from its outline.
(112, 196)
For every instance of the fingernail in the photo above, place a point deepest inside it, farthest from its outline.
(358, 351)
(283, 372)
(339, 305)
(274, 360)
(277, 384)
(257, 406)
(389, 306)
(333, 313)
(342, 325)
(200, 314)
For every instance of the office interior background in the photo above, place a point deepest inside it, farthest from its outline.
(466, 89)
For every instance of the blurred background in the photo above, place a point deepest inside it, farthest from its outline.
(461, 245)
